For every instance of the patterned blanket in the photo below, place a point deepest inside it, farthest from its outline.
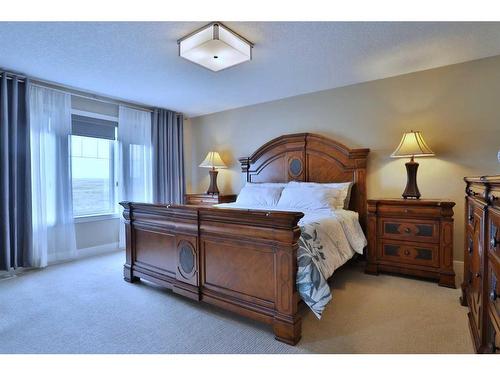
(325, 244)
(311, 284)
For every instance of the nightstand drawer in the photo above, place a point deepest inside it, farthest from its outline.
(409, 230)
(208, 199)
(409, 253)
(409, 211)
(202, 201)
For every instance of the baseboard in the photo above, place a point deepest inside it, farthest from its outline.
(458, 267)
(85, 253)
(80, 254)
(96, 250)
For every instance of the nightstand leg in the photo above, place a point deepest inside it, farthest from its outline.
(371, 269)
(447, 281)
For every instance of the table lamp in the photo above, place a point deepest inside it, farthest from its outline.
(213, 161)
(412, 145)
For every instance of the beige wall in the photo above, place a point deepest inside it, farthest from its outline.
(456, 107)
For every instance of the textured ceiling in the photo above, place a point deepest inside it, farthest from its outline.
(138, 61)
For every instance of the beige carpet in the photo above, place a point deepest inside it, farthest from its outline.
(86, 307)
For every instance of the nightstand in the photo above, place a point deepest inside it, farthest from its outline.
(208, 199)
(411, 237)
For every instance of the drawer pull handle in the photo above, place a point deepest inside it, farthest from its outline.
(407, 230)
(471, 217)
(477, 274)
(494, 242)
(493, 295)
(407, 252)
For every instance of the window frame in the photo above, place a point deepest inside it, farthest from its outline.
(113, 172)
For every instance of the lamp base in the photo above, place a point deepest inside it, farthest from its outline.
(213, 189)
(411, 190)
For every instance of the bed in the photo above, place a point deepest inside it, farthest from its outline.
(252, 260)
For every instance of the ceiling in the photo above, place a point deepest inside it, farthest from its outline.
(138, 61)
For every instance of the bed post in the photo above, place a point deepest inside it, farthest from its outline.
(127, 267)
(287, 322)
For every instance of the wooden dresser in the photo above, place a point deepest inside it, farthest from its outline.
(412, 237)
(208, 199)
(480, 288)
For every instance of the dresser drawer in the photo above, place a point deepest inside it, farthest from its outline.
(408, 211)
(469, 213)
(409, 230)
(474, 213)
(494, 305)
(409, 252)
(494, 234)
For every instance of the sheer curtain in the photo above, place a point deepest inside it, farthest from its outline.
(52, 213)
(135, 177)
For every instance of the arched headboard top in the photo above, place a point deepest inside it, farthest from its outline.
(311, 158)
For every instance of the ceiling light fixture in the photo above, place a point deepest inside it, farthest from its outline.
(215, 47)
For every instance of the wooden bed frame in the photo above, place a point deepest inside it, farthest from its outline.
(241, 260)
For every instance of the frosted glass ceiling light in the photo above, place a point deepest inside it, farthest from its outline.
(215, 47)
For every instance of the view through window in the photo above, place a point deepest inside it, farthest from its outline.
(93, 181)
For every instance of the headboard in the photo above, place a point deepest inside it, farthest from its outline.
(310, 158)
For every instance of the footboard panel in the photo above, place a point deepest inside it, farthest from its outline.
(162, 246)
(241, 260)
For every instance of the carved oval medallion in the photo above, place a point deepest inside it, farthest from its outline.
(186, 258)
(295, 167)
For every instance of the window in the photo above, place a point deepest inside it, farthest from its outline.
(92, 166)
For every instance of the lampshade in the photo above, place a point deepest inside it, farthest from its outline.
(412, 144)
(213, 160)
(215, 47)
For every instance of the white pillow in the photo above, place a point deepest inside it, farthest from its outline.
(341, 194)
(306, 198)
(264, 194)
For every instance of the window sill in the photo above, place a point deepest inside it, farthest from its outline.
(86, 219)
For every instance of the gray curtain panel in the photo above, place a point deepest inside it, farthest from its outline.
(168, 157)
(15, 181)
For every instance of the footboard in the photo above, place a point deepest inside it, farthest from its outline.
(244, 261)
